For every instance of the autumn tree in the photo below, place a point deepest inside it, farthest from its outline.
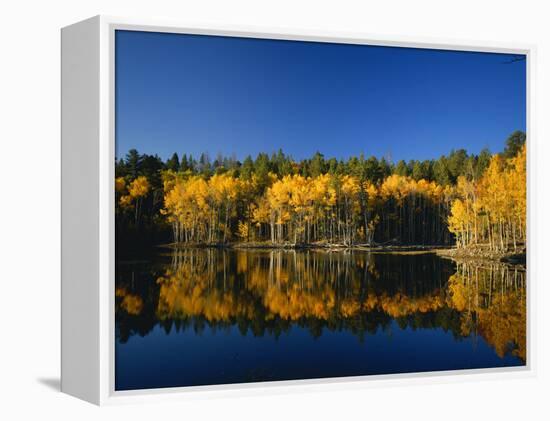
(492, 210)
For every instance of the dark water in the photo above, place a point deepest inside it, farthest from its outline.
(207, 316)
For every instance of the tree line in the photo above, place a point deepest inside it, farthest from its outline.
(278, 200)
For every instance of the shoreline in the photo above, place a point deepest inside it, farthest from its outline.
(313, 246)
(479, 253)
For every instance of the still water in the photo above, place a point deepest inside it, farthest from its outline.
(211, 316)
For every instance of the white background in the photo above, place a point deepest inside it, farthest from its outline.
(30, 221)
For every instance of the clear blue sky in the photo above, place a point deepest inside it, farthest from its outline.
(192, 94)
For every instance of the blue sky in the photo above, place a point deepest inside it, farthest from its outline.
(193, 94)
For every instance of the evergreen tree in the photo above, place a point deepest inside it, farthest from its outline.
(514, 143)
(332, 165)
(317, 166)
(385, 168)
(457, 164)
(151, 167)
(261, 166)
(120, 168)
(372, 169)
(247, 168)
(401, 169)
(173, 163)
(441, 172)
(482, 162)
(184, 164)
(192, 164)
(133, 163)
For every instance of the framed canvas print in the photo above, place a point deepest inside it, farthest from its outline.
(249, 209)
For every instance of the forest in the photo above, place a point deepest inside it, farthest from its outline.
(273, 200)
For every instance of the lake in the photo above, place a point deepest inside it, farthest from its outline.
(202, 316)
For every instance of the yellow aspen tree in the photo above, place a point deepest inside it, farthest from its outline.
(137, 190)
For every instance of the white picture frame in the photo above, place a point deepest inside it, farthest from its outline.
(88, 145)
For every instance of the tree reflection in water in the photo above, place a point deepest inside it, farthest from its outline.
(266, 292)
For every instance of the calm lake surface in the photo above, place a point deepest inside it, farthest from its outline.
(211, 316)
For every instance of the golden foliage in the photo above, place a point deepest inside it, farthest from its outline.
(492, 210)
